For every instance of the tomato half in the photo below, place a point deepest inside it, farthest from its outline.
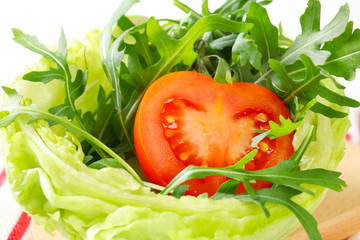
(187, 118)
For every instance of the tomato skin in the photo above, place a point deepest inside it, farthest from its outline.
(157, 157)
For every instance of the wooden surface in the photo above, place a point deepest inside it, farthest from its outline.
(338, 215)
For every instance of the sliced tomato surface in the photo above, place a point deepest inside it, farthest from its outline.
(187, 118)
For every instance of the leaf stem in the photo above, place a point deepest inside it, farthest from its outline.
(186, 9)
(317, 77)
(263, 77)
(127, 136)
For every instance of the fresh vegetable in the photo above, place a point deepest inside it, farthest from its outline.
(196, 121)
(70, 160)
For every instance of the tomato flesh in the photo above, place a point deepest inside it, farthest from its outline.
(207, 124)
(193, 132)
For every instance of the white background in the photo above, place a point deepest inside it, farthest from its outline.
(45, 18)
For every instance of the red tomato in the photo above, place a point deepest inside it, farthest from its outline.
(187, 118)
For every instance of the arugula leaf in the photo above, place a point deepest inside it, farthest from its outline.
(283, 195)
(284, 40)
(282, 174)
(245, 50)
(309, 88)
(173, 52)
(312, 36)
(105, 162)
(285, 173)
(103, 115)
(345, 54)
(73, 89)
(179, 191)
(302, 79)
(111, 58)
(231, 7)
(226, 190)
(287, 126)
(221, 70)
(112, 63)
(106, 37)
(222, 42)
(187, 9)
(263, 33)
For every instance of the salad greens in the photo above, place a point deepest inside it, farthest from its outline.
(70, 160)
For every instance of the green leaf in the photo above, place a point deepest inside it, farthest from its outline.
(63, 110)
(284, 40)
(222, 42)
(77, 87)
(285, 127)
(345, 54)
(205, 8)
(187, 9)
(73, 89)
(112, 64)
(282, 174)
(245, 50)
(14, 97)
(179, 191)
(245, 72)
(223, 72)
(308, 88)
(33, 44)
(311, 39)
(327, 111)
(106, 36)
(226, 190)
(242, 162)
(105, 162)
(45, 76)
(232, 6)
(285, 173)
(263, 33)
(103, 116)
(173, 52)
(299, 153)
(283, 195)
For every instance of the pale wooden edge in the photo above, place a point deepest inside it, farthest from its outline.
(38, 233)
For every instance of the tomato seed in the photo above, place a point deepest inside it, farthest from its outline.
(264, 147)
(184, 155)
(261, 117)
(171, 118)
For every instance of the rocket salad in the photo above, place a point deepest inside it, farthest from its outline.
(219, 105)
